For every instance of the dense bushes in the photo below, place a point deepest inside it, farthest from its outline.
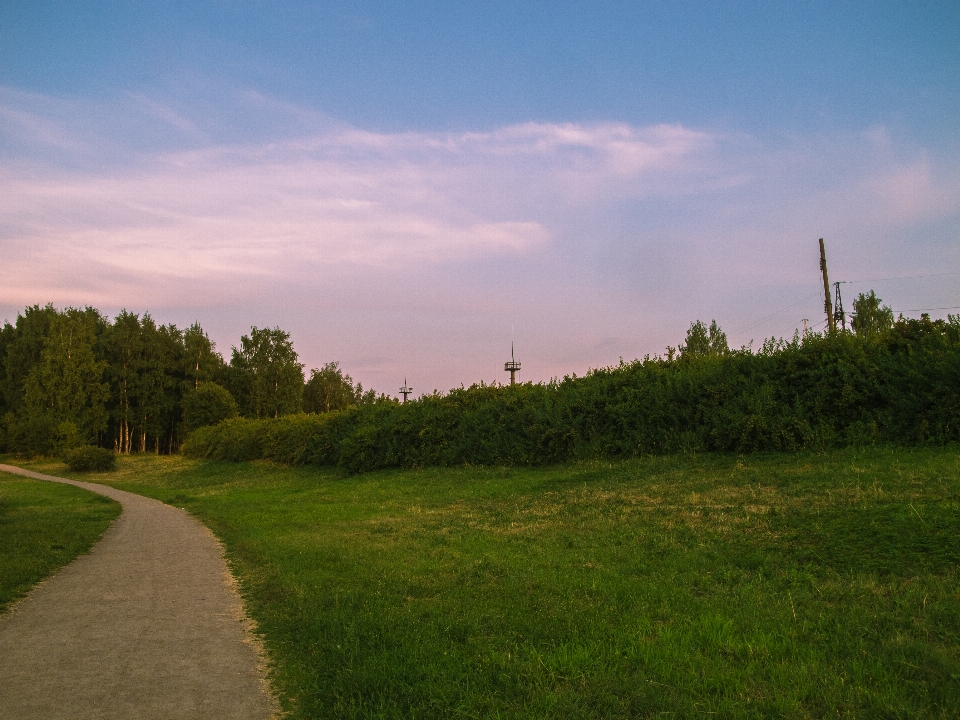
(88, 458)
(817, 391)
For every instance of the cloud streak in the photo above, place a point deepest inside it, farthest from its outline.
(604, 239)
(343, 198)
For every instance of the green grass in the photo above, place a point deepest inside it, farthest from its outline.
(812, 585)
(44, 526)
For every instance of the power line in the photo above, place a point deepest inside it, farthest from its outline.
(928, 309)
(905, 277)
(761, 321)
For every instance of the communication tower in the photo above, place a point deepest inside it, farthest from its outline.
(512, 367)
(405, 390)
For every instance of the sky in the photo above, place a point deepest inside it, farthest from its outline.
(409, 187)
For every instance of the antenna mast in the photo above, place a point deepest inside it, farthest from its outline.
(512, 367)
(405, 390)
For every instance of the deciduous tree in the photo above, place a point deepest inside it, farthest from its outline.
(265, 376)
(66, 385)
(703, 341)
(330, 389)
(869, 317)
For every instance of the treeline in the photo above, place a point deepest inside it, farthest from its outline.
(73, 377)
(885, 381)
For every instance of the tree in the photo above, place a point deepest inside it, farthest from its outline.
(66, 386)
(703, 341)
(123, 347)
(155, 391)
(207, 404)
(265, 376)
(146, 370)
(24, 345)
(329, 389)
(869, 317)
(172, 350)
(201, 360)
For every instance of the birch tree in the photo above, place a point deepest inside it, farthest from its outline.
(265, 376)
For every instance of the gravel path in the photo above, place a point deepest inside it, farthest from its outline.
(147, 625)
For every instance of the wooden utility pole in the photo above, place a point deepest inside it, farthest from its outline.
(827, 307)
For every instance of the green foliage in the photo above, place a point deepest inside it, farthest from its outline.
(87, 458)
(145, 364)
(814, 392)
(23, 344)
(201, 361)
(66, 384)
(869, 317)
(265, 376)
(703, 341)
(38, 435)
(208, 404)
(71, 377)
(329, 389)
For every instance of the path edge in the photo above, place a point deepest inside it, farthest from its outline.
(13, 607)
(252, 636)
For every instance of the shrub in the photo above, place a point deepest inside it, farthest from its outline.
(814, 392)
(208, 404)
(87, 458)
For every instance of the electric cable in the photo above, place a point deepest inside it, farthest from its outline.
(905, 277)
(761, 321)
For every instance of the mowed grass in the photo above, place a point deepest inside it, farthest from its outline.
(812, 585)
(44, 526)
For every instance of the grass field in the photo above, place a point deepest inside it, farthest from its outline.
(44, 526)
(812, 585)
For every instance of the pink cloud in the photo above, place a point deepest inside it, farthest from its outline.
(347, 197)
(595, 240)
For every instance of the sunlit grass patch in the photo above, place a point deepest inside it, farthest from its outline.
(798, 586)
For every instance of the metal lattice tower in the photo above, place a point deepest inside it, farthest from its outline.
(512, 367)
(838, 314)
(405, 390)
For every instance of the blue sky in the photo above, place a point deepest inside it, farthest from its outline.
(404, 186)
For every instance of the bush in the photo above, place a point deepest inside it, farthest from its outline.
(814, 392)
(87, 458)
(38, 436)
(208, 404)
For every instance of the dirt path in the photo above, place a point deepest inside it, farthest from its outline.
(145, 626)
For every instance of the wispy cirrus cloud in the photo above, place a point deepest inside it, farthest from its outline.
(287, 208)
(604, 239)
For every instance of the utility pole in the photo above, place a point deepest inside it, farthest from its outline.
(827, 307)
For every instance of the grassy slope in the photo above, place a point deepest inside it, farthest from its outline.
(797, 586)
(44, 526)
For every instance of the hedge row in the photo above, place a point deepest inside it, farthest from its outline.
(817, 391)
